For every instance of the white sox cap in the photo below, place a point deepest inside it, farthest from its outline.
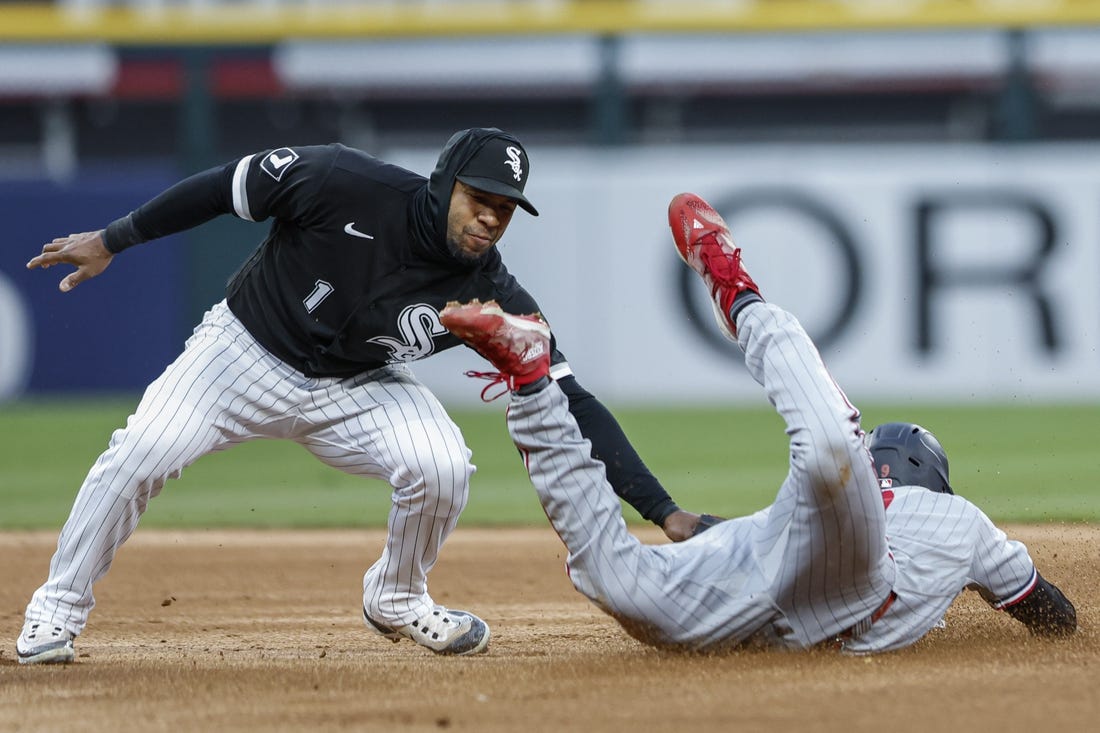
(500, 167)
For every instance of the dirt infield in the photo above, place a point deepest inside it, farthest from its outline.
(251, 631)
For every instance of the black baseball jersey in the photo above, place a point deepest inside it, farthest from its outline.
(355, 269)
(340, 285)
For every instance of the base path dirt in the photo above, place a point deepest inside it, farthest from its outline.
(260, 631)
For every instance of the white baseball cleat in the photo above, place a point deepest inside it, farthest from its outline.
(42, 643)
(442, 630)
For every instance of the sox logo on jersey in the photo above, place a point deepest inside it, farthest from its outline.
(419, 325)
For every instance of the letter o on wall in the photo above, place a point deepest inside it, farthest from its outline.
(814, 213)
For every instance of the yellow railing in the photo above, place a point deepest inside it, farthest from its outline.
(273, 21)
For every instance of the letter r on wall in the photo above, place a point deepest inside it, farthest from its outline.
(1020, 275)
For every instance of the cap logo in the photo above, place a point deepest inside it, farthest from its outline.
(514, 162)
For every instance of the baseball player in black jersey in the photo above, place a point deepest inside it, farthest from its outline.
(310, 345)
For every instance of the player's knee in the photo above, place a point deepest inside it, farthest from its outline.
(137, 463)
(439, 485)
(451, 471)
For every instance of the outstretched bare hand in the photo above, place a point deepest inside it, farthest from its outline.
(85, 251)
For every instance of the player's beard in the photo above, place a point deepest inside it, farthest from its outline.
(464, 255)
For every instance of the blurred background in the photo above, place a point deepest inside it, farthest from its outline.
(917, 180)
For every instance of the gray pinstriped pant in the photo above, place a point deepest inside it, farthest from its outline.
(812, 564)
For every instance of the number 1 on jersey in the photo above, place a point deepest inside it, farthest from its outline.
(321, 290)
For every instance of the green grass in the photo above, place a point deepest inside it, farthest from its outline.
(1017, 463)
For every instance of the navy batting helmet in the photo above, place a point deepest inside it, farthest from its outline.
(905, 454)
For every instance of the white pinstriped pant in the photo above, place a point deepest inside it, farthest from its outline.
(796, 573)
(226, 389)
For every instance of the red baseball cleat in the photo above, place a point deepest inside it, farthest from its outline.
(706, 246)
(519, 346)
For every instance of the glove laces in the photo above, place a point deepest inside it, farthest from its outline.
(496, 379)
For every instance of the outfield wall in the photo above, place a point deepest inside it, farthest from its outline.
(926, 272)
(113, 334)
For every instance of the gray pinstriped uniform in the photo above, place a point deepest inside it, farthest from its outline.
(225, 389)
(942, 544)
(805, 569)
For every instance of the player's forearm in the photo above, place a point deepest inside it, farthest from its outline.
(192, 201)
(626, 472)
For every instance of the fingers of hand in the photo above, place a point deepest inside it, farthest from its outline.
(51, 254)
(45, 260)
(73, 279)
(62, 249)
(83, 251)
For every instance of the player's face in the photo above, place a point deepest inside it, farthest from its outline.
(476, 220)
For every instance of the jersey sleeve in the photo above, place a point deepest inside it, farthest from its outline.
(1001, 569)
(285, 183)
(193, 201)
(1006, 577)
